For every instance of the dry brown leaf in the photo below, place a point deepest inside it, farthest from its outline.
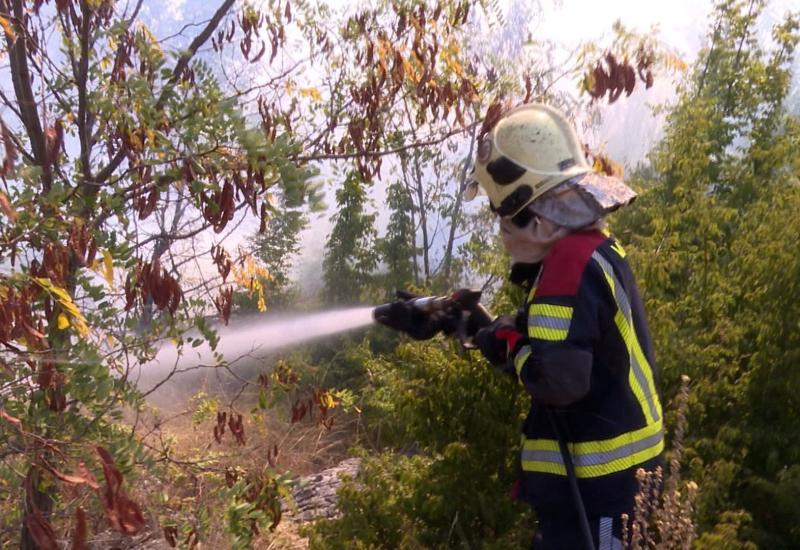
(79, 535)
(83, 475)
(123, 514)
(5, 206)
(16, 421)
(6, 24)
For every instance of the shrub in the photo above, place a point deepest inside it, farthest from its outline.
(447, 427)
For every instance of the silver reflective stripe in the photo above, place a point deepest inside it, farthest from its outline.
(625, 307)
(639, 373)
(545, 321)
(594, 459)
(605, 533)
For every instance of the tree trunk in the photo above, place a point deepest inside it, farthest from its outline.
(414, 260)
(423, 217)
(456, 217)
(414, 206)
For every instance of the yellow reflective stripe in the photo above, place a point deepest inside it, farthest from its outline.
(621, 464)
(633, 380)
(616, 247)
(640, 375)
(531, 293)
(600, 446)
(544, 333)
(544, 467)
(550, 310)
(522, 356)
(618, 465)
(595, 458)
(549, 322)
(644, 393)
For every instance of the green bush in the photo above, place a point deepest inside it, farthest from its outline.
(448, 429)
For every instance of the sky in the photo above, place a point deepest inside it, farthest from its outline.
(629, 129)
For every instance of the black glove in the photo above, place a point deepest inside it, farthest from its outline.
(403, 316)
(497, 340)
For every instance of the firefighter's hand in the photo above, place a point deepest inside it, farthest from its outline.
(497, 340)
(467, 317)
(404, 317)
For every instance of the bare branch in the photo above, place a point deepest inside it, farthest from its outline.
(21, 77)
(135, 13)
(82, 83)
(187, 56)
(384, 152)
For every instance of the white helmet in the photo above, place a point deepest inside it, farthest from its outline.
(530, 151)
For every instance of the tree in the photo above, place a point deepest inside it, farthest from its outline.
(121, 157)
(276, 247)
(101, 128)
(709, 239)
(397, 246)
(350, 256)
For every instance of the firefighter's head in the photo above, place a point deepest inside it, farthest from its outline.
(529, 151)
(534, 170)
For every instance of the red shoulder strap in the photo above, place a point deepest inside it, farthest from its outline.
(563, 266)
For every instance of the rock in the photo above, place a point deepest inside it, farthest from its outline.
(148, 540)
(315, 495)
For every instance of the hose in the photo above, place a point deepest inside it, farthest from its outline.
(572, 479)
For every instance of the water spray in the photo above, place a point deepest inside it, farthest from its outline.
(457, 314)
(259, 338)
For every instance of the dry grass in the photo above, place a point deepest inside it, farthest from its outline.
(195, 463)
(664, 520)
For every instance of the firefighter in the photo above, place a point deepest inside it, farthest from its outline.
(580, 345)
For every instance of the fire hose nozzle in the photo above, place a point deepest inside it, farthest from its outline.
(382, 313)
(459, 314)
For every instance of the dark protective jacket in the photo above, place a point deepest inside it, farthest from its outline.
(586, 357)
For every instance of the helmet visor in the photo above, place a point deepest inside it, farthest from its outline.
(470, 190)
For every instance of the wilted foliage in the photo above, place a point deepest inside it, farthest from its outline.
(613, 77)
(152, 281)
(121, 141)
